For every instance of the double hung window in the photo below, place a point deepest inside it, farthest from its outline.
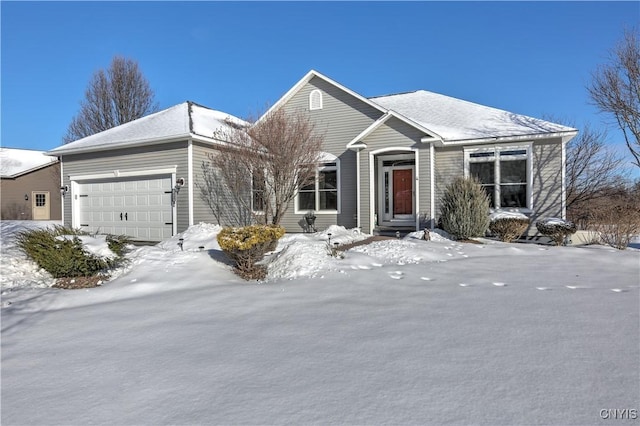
(321, 195)
(504, 174)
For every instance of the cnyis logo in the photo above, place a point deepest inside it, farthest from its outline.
(619, 414)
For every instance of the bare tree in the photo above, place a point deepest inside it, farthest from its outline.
(591, 167)
(113, 97)
(265, 163)
(615, 89)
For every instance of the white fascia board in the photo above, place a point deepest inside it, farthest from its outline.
(366, 132)
(119, 145)
(296, 88)
(502, 139)
(391, 113)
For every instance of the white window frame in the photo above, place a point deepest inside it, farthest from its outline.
(253, 193)
(495, 150)
(322, 167)
(315, 95)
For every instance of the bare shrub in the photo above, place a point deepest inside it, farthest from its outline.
(556, 229)
(508, 229)
(618, 223)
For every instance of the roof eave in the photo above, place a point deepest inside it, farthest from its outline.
(119, 145)
(31, 170)
(566, 136)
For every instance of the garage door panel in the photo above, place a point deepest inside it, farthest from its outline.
(145, 207)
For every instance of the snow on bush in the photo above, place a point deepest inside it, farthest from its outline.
(556, 229)
(508, 226)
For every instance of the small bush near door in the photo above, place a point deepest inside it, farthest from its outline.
(60, 252)
(465, 209)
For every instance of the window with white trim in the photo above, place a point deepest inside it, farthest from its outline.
(504, 173)
(315, 99)
(323, 194)
(257, 194)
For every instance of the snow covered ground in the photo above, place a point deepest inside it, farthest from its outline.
(398, 332)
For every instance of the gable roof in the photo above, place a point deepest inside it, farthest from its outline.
(15, 162)
(187, 120)
(459, 120)
(442, 118)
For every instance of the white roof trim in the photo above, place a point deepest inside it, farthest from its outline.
(433, 136)
(568, 134)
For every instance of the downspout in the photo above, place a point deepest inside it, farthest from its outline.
(564, 180)
(416, 156)
(65, 193)
(190, 178)
(432, 182)
(358, 198)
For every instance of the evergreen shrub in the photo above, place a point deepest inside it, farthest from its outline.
(247, 245)
(65, 257)
(464, 209)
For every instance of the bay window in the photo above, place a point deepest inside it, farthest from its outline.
(504, 173)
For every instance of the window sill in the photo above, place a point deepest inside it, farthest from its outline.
(523, 210)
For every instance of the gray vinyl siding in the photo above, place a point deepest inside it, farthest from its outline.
(546, 189)
(131, 159)
(547, 179)
(342, 118)
(449, 164)
(230, 213)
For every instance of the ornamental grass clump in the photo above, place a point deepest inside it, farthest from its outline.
(556, 229)
(465, 209)
(508, 229)
(61, 252)
(246, 246)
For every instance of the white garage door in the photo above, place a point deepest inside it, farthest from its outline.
(139, 207)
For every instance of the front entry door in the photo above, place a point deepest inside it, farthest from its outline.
(402, 192)
(396, 190)
(40, 207)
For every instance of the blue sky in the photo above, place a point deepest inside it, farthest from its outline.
(532, 58)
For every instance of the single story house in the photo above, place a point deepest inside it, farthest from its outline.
(386, 162)
(29, 185)
(139, 178)
(391, 157)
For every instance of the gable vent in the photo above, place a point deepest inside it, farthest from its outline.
(315, 99)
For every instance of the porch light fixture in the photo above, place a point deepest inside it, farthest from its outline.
(26, 197)
(64, 189)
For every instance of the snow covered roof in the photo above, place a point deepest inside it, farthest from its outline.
(456, 120)
(15, 162)
(180, 122)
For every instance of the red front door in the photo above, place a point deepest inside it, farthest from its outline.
(402, 192)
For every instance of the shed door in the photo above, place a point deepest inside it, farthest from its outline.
(40, 206)
(137, 207)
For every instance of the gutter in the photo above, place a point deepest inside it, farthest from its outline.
(569, 134)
